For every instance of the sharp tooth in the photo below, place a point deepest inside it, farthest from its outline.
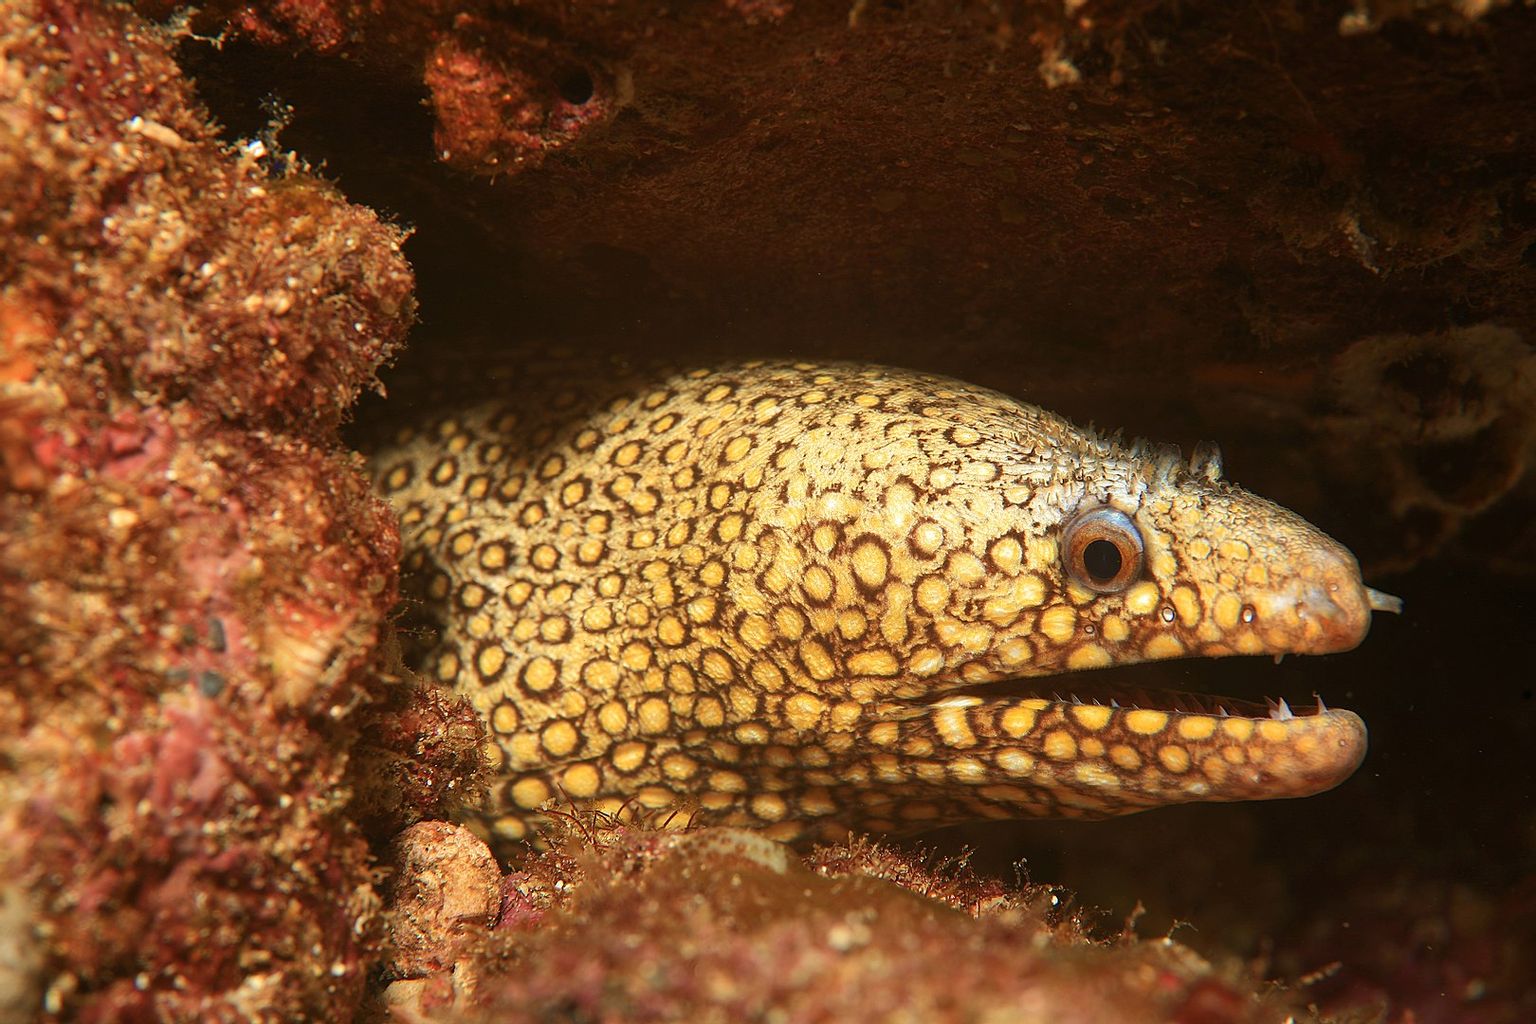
(1321, 707)
(1282, 712)
(1113, 703)
(1279, 657)
(1222, 711)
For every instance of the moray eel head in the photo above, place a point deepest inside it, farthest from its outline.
(1145, 557)
(804, 597)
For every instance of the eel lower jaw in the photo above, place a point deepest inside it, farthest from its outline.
(1112, 750)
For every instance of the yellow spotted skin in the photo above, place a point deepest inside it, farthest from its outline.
(769, 594)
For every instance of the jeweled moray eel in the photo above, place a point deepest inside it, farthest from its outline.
(773, 595)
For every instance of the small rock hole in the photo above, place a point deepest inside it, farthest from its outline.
(575, 86)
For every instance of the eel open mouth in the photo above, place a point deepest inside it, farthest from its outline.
(1078, 745)
(1131, 698)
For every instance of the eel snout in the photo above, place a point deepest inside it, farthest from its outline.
(1323, 609)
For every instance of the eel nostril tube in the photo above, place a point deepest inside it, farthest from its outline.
(1380, 602)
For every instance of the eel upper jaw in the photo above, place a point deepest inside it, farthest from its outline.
(1333, 618)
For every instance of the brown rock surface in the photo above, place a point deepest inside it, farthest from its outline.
(445, 891)
(193, 573)
(724, 925)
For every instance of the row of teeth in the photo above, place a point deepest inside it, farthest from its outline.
(1279, 708)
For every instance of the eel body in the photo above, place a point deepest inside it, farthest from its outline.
(802, 597)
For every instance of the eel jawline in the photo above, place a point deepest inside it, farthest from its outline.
(1132, 698)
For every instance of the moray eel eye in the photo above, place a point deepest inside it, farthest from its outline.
(1102, 550)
